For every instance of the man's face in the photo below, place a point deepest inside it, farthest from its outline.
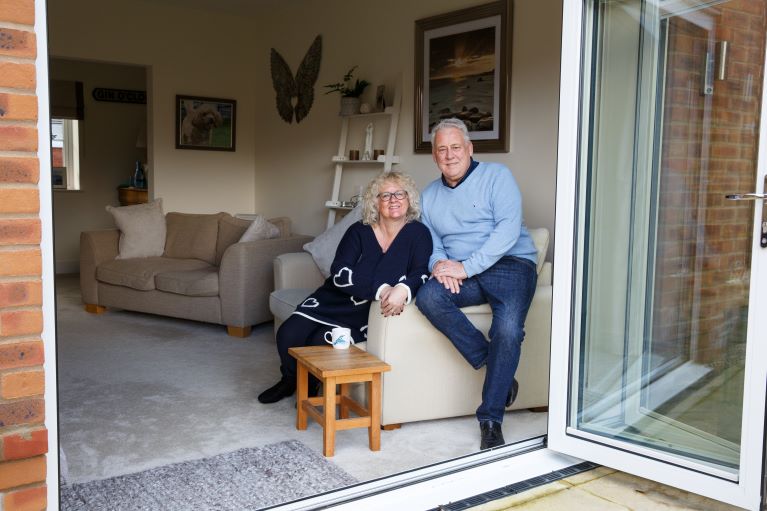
(452, 154)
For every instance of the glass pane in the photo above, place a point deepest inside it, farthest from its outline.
(670, 125)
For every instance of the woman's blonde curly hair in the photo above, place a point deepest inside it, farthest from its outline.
(370, 197)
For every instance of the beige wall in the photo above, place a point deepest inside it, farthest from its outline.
(285, 169)
(108, 152)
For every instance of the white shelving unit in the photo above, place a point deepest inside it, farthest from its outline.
(341, 160)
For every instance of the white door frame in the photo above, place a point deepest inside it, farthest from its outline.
(623, 456)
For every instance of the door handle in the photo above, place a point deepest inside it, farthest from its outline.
(755, 196)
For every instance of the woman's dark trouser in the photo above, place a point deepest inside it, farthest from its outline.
(297, 331)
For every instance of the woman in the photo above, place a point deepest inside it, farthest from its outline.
(383, 257)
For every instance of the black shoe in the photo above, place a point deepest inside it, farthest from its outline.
(513, 391)
(281, 389)
(492, 435)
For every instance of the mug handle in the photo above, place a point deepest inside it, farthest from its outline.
(329, 341)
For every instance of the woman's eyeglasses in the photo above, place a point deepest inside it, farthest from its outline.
(387, 196)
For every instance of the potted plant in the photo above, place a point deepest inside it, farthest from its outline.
(350, 92)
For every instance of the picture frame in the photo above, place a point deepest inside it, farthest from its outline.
(462, 69)
(59, 178)
(208, 124)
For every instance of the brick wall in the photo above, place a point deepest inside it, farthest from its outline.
(23, 436)
(709, 150)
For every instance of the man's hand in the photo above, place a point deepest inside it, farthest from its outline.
(393, 300)
(450, 274)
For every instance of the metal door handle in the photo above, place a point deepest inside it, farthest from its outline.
(746, 196)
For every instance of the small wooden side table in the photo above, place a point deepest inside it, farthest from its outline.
(339, 367)
(129, 195)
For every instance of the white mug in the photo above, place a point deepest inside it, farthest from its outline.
(340, 338)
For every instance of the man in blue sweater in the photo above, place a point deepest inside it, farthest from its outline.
(482, 254)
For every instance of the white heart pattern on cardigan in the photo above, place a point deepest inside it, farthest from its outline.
(345, 277)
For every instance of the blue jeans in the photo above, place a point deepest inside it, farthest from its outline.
(508, 286)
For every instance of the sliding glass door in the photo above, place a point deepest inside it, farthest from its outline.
(656, 295)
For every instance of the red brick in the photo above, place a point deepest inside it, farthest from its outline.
(21, 322)
(18, 11)
(19, 170)
(24, 445)
(19, 200)
(21, 472)
(18, 107)
(22, 384)
(29, 499)
(18, 138)
(22, 231)
(17, 43)
(21, 354)
(20, 263)
(17, 76)
(24, 411)
(19, 294)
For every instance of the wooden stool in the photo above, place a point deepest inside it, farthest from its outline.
(339, 367)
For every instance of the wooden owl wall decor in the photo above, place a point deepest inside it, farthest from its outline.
(300, 87)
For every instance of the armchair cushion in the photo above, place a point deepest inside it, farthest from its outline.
(230, 230)
(191, 236)
(540, 238)
(323, 247)
(142, 229)
(260, 229)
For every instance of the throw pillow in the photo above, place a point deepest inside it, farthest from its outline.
(192, 236)
(260, 229)
(323, 247)
(142, 229)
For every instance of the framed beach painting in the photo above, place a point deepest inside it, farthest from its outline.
(205, 123)
(462, 70)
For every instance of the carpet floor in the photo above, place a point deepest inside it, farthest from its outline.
(244, 479)
(138, 391)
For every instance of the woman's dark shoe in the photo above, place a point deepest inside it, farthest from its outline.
(491, 435)
(512, 396)
(281, 389)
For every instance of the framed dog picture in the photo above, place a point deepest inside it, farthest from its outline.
(205, 123)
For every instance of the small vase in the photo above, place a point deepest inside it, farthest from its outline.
(349, 106)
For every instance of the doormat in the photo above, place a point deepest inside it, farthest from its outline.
(250, 478)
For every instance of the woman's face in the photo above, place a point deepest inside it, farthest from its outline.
(393, 208)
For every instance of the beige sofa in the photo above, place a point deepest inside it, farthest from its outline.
(429, 378)
(204, 274)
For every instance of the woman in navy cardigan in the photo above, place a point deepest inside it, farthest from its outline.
(383, 257)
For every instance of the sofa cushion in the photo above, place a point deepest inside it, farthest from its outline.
(230, 230)
(142, 229)
(139, 273)
(192, 236)
(203, 282)
(323, 247)
(282, 302)
(540, 238)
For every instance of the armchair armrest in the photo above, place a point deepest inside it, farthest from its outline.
(96, 247)
(296, 270)
(245, 278)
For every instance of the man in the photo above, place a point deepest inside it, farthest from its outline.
(482, 254)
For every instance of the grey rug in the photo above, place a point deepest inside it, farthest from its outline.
(244, 479)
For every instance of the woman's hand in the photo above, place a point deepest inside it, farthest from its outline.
(393, 300)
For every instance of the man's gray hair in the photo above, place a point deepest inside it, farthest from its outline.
(454, 123)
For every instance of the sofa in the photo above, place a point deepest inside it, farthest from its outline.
(429, 378)
(200, 269)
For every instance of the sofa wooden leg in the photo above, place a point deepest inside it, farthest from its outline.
(539, 409)
(238, 331)
(391, 427)
(95, 309)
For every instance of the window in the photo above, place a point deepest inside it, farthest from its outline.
(65, 154)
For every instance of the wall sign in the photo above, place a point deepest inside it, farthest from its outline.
(119, 95)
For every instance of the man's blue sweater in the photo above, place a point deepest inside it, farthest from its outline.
(479, 221)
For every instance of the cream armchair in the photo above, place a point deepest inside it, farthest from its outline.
(429, 378)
